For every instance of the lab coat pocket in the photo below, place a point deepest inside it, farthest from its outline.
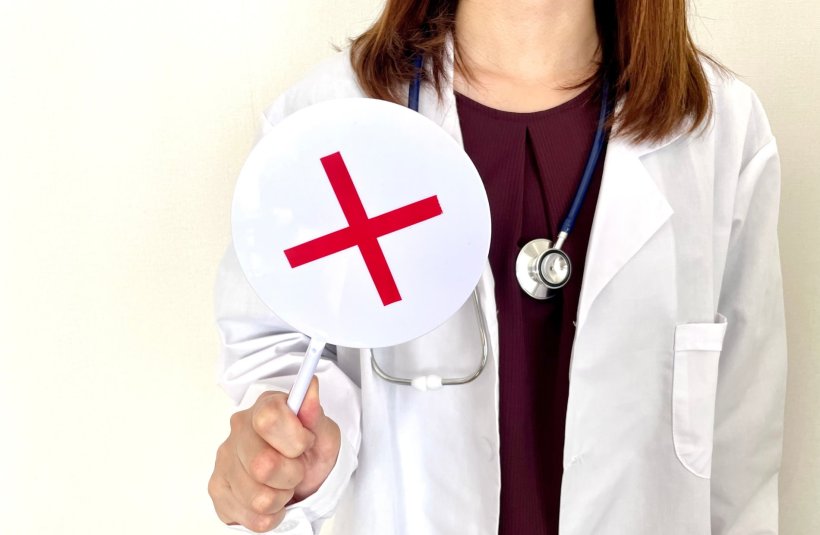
(694, 386)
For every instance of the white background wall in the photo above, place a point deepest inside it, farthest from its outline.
(123, 128)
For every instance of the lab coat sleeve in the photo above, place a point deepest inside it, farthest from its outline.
(259, 352)
(752, 367)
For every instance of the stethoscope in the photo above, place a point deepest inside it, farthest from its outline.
(542, 268)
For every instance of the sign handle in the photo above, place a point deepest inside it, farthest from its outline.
(306, 371)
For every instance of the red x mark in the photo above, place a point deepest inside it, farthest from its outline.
(363, 231)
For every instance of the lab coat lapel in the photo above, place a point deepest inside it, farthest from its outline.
(630, 210)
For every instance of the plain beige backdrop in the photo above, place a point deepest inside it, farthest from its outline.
(124, 125)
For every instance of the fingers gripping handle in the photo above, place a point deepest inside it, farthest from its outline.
(306, 371)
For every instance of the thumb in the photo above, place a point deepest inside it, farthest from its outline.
(311, 413)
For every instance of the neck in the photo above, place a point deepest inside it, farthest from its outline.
(551, 44)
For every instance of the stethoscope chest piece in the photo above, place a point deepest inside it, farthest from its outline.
(542, 268)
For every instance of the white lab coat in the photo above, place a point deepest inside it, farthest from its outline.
(678, 368)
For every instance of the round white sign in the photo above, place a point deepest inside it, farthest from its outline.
(361, 222)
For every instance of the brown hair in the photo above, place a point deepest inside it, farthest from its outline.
(647, 54)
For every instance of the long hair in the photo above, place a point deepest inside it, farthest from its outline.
(647, 54)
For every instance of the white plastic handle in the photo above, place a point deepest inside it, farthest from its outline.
(306, 371)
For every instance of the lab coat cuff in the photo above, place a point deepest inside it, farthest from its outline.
(294, 523)
(272, 384)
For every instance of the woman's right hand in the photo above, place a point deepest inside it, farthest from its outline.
(271, 458)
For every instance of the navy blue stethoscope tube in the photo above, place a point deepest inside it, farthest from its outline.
(592, 160)
(415, 87)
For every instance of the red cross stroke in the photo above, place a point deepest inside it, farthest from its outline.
(363, 231)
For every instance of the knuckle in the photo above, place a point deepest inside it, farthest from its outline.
(263, 523)
(213, 489)
(299, 444)
(263, 502)
(222, 453)
(266, 418)
(278, 517)
(223, 516)
(238, 420)
(292, 474)
(287, 496)
(225, 519)
(298, 473)
(264, 465)
(270, 395)
(217, 493)
(304, 441)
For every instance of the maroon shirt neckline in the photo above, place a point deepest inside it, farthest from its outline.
(527, 116)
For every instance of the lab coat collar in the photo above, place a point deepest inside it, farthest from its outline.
(630, 206)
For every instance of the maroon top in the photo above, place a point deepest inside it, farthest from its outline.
(531, 164)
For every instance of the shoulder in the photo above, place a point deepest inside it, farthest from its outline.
(736, 131)
(331, 78)
(739, 122)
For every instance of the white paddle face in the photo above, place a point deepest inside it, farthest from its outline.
(361, 222)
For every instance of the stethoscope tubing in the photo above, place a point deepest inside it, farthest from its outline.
(482, 331)
(415, 87)
(426, 382)
(592, 163)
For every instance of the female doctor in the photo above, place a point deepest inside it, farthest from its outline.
(643, 397)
